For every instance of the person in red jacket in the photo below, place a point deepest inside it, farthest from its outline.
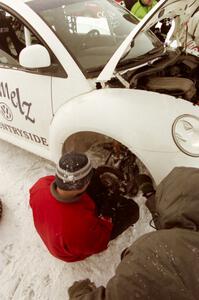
(66, 217)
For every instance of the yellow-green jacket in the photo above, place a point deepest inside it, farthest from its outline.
(140, 10)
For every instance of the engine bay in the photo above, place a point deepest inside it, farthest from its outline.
(175, 73)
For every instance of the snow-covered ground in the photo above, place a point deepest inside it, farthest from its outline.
(27, 270)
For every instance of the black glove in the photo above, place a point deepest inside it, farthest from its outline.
(80, 288)
(145, 184)
(96, 191)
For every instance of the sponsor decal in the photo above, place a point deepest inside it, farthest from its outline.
(14, 98)
(6, 112)
(24, 134)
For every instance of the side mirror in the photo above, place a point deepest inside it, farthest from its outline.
(34, 56)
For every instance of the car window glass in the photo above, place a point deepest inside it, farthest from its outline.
(14, 36)
(92, 30)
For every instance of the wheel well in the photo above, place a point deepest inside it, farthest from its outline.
(88, 142)
(83, 141)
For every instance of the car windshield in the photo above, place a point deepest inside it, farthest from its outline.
(92, 30)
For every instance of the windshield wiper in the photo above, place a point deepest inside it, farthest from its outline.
(128, 61)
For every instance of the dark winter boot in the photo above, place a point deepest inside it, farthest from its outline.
(145, 184)
(1, 209)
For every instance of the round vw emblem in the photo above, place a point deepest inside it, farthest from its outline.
(185, 132)
(6, 112)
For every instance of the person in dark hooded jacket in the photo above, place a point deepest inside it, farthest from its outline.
(163, 264)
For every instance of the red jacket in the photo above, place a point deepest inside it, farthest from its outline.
(70, 231)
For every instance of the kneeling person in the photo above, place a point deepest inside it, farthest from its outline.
(64, 214)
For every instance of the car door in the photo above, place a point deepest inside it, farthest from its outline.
(25, 95)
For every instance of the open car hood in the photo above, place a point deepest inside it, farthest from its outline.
(181, 10)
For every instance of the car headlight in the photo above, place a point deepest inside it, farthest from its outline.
(185, 131)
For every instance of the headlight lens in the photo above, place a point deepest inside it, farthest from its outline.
(185, 131)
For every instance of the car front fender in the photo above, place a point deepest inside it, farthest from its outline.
(140, 120)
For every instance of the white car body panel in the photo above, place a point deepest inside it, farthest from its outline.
(69, 65)
(43, 88)
(15, 93)
(49, 108)
(134, 123)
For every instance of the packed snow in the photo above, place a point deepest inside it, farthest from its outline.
(27, 270)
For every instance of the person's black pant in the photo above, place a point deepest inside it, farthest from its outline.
(126, 214)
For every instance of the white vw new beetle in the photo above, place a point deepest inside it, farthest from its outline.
(77, 72)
